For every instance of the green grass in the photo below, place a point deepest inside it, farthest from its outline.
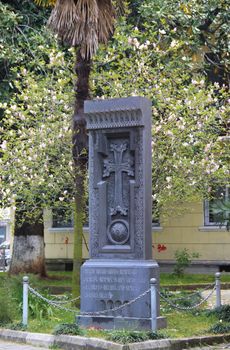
(47, 325)
(43, 317)
(167, 279)
(57, 278)
(187, 324)
(64, 279)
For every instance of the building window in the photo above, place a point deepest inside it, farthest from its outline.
(2, 233)
(63, 217)
(217, 210)
(155, 215)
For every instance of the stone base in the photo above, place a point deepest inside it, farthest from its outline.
(108, 285)
(109, 322)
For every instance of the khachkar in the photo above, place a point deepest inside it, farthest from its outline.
(120, 195)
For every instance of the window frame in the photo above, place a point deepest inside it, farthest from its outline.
(207, 222)
(66, 227)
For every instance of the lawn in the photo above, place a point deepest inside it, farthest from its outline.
(167, 279)
(44, 318)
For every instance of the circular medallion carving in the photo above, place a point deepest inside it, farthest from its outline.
(118, 232)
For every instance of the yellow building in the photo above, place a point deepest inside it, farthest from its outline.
(58, 238)
(196, 229)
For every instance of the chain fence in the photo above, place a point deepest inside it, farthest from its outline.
(52, 302)
(58, 304)
(187, 308)
(153, 290)
(67, 301)
(191, 295)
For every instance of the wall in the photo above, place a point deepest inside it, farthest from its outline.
(59, 241)
(185, 230)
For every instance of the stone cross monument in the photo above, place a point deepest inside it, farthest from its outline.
(120, 214)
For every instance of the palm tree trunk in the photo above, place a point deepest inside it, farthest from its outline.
(80, 157)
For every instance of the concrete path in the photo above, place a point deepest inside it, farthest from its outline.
(225, 297)
(5, 345)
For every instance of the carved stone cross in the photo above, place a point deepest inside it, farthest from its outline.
(118, 167)
(120, 200)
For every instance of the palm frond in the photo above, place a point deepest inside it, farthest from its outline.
(86, 27)
(63, 17)
(106, 20)
(45, 3)
(84, 23)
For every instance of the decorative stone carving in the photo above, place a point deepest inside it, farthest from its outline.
(120, 194)
(118, 232)
(118, 167)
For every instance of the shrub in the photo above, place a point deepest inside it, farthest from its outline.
(68, 328)
(222, 312)
(183, 260)
(130, 336)
(220, 328)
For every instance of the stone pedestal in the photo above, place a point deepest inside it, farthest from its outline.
(110, 284)
(120, 214)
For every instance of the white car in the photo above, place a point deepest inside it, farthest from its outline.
(5, 246)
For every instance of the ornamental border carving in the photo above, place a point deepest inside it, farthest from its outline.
(114, 119)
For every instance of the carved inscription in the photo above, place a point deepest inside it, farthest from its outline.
(105, 283)
(118, 166)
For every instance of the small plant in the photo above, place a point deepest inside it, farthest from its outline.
(68, 328)
(125, 336)
(220, 328)
(183, 260)
(222, 312)
(184, 299)
(17, 326)
(38, 308)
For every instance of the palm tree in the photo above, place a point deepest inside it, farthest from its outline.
(82, 24)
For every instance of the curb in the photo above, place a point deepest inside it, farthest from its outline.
(68, 342)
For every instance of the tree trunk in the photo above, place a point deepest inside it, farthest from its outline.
(80, 158)
(28, 255)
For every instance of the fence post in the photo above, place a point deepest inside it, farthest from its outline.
(218, 289)
(25, 300)
(153, 288)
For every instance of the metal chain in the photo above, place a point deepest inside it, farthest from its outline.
(189, 307)
(51, 302)
(116, 308)
(60, 302)
(195, 293)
